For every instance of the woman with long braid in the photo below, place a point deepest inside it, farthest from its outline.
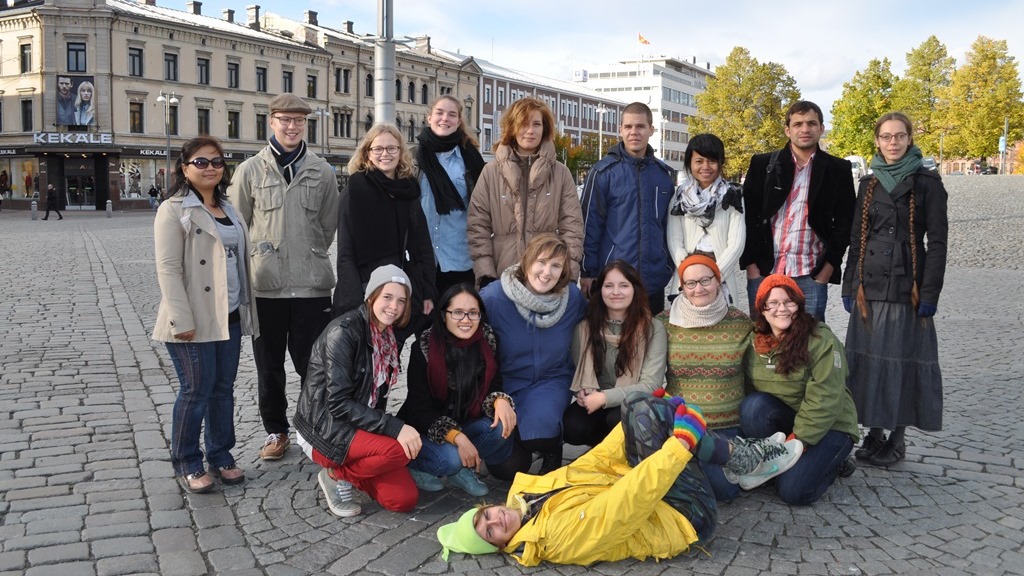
(891, 288)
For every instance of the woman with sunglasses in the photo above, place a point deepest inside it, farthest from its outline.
(891, 288)
(797, 368)
(207, 304)
(455, 397)
(380, 222)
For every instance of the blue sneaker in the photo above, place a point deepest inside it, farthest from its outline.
(777, 459)
(467, 480)
(426, 482)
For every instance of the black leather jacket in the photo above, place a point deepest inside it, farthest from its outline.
(334, 401)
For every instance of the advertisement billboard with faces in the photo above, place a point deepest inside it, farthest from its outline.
(76, 100)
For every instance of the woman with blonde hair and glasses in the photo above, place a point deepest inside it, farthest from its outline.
(891, 288)
(380, 222)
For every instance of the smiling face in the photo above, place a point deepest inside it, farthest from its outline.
(545, 272)
(705, 170)
(444, 118)
(636, 132)
(390, 304)
(899, 140)
(804, 130)
(530, 134)
(206, 179)
(700, 295)
(464, 328)
(617, 294)
(289, 129)
(497, 524)
(778, 310)
(386, 161)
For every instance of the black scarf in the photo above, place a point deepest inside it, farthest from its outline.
(446, 197)
(381, 210)
(287, 160)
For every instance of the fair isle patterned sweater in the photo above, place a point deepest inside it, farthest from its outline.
(705, 366)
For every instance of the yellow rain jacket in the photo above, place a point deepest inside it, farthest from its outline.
(608, 511)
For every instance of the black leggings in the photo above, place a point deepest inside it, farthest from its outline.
(584, 429)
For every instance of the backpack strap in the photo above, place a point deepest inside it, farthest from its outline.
(773, 166)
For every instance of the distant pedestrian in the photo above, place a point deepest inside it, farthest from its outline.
(52, 202)
(153, 197)
(891, 288)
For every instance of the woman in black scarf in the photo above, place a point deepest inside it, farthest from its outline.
(449, 165)
(380, 222)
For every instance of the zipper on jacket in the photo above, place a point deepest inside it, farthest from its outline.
(609, 255)
(639, 221)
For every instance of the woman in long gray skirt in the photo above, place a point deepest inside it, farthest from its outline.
(891, 288)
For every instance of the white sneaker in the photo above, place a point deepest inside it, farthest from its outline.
(777, 459)
(339, 495)
(750, 452)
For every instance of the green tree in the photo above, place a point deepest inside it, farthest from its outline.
(916, 94)
(577, 157)
(981, 94)
(745, 105)
(865, 97)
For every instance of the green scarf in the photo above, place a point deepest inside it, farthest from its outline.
(892, 174)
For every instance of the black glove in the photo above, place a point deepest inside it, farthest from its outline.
(926, 310)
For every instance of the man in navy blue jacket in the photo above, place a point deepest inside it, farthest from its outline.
(625, 206)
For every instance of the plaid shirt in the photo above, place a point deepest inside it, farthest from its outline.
(797, 247)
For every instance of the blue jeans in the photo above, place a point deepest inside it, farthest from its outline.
(725, 491)
(443, 459)
(762, 415)
(815, 293)
(206, 373)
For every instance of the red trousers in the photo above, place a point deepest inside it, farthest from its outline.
(377, 465)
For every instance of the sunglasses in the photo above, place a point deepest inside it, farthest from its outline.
(202, 163)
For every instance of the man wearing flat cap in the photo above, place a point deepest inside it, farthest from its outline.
(289, 198)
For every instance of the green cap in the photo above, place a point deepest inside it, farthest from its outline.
(460, 536)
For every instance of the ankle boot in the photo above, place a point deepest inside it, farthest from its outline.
(889, 454)
(869, 447)
(550, 461)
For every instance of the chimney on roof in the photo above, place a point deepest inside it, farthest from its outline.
(229, 15)
(423, 44)
(150, 2)
(252, 13)
(311, 18)
(194, 7)
(347, 26)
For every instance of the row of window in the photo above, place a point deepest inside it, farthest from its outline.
(341, 122)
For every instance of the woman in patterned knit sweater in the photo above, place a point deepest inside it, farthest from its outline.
(707, 340)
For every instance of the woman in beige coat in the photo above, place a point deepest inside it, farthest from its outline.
(202, 264)
(524, 192)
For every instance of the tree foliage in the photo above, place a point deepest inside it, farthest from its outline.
(865, 98)
(916, 94)
(981, 94)
(577, 157)
(745, 105)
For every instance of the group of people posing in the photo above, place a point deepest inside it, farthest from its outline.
(539, 319)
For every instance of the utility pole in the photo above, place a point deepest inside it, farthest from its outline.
(384, 64)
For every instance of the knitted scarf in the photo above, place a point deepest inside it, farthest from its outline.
(446, 197)
(386, 364)
(541, 310)
(889, 175)
(690, 200)
(437, 370)
(586, 377)
(380, 211)
(287, 161)
(686, 315)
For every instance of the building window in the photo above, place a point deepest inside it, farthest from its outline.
(445, 90)
(261, 79)
(311, 85)
(501, 96)
(135, 60)
(170, 67)
(412, 92)
(172, 121)
(346, 79)
(342, 124)
(337, 79)
(202, 71)
(233, 123)
(135, 122)
(412, 131)
(311, 131)
(487, 94)
(487, 138)
(76, 57)
(26, 115)
(26, 58)
(286, 81)
(398, 90)
(424, 92)
(368, 123)
(203, 120)
(261, 127)
(369, 86)
(232, 74)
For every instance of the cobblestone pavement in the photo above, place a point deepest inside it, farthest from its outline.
(85, 400)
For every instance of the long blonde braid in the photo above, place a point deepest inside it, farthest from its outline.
(913, 253)
(862, 303)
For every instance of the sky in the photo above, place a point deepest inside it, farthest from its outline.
(821, 44)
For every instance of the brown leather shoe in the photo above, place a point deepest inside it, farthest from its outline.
(197, 483)
(229, 474)
(275, 446)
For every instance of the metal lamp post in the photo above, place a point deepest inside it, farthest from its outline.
(600, 130)
(322, 115)
(168, 100)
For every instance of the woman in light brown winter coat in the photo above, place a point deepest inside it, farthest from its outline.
(524, 192)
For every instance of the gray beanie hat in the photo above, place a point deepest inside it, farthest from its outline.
(385, 274)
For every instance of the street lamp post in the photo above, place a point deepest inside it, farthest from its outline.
(168, 100)
(600, 130)
(322, 115)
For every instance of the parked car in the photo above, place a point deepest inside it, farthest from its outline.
(858, 167)
(929, 163)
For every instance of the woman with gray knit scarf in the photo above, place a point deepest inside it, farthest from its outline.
(534, 310)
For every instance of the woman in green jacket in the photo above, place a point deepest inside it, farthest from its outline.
(798, 370)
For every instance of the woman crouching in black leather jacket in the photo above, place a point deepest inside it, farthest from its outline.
(340, 417)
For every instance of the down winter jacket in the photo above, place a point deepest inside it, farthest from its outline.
(496, 228)
(625, 206)
(334, 399)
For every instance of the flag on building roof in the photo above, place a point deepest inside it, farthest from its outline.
(640, 38)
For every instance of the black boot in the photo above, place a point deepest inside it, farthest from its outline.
(550, 461)
(889, 454)
(869, 447)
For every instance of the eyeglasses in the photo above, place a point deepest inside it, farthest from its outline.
(691, 284)
(291, 121)
(202, 163)
(899, 137)
(378, 150)
(775, 304)
(457, 315)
